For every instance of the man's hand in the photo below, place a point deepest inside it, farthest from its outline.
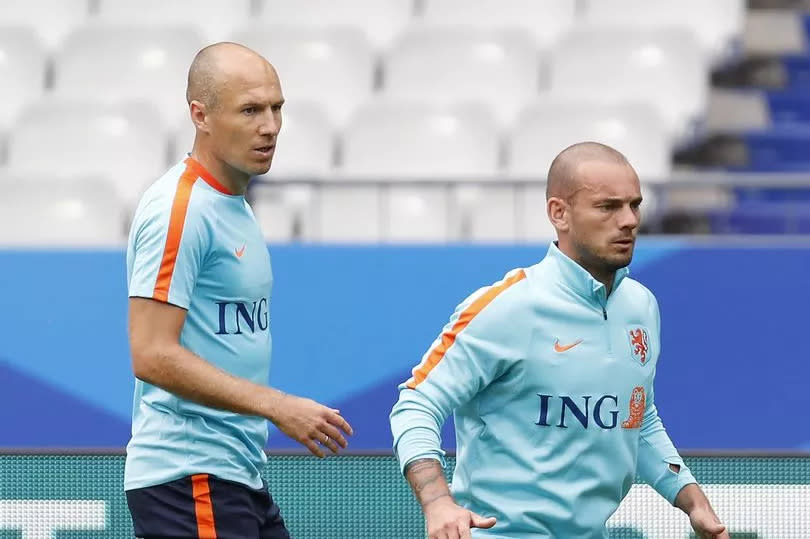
(311, 424)
(446, 520)
(706, 524)
(702, 517)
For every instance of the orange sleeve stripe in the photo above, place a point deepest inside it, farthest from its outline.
(177, 219)
(203, 508)
(449, 337)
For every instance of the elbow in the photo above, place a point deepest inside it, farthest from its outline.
(144, 362)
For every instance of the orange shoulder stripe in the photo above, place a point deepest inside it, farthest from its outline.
(203, 508)
(449, 337)
(177, 219)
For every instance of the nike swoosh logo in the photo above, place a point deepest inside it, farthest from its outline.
(239, 252)
(563, 347)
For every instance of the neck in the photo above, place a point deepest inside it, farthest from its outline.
(604, 277)
(232, 179)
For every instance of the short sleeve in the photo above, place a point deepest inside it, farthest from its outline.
(167, 248)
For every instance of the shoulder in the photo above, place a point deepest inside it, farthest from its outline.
(503, 300)
(174, 201)
(640, 295)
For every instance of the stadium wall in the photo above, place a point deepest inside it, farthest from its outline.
(349, 322)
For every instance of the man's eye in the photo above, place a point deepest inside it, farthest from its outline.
(249, 110)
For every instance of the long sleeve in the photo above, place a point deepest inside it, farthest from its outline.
(475, 347)
(656, 451)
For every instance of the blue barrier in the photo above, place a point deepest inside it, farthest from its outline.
(350, 322)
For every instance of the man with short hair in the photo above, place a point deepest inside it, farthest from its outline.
(199, 280)
(550, 375)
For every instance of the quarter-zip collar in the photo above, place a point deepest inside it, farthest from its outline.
(577, 278)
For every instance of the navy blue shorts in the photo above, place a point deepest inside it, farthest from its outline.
(205, 507)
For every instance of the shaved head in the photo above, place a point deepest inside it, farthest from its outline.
(564, 178)
(211, 68)
(593, 199)
(234, 100)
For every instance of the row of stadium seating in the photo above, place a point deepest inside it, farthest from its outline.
(336, 68)
(715, 23)
(399, 90)
(90, 213)
(389, 140)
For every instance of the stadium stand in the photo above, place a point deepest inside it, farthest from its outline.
(214, 19)
(122, 144)
(380, 20)
(332, 66)
(546, 21)
(84, 212)
(51, 20)
(475, 96)
(22, 70)
(500, 70)
(90, 64)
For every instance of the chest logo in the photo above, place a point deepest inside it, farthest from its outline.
(563, 347)
(635, 416)
(239, 252)
(639, 344)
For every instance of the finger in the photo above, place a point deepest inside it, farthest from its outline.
(338, 421)
(335, 434)
(314, 449)
(477, 521)
(330, 443)
(464, 531)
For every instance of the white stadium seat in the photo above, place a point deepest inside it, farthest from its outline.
(415, 214)
(550, 125)
(45, 213)
(68, 139)
(547, 20)
(399, 139)
(330, 66)
(215, 19)
(665, 67)
(717, 23)
(115, 63)
(52, 20)
(346, 214)
(306, 143)
(535, 225)
(282, 211)
(486, 213)
(447, 65)
(22, 71)
(380, 20)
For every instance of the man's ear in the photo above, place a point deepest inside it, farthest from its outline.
(557, 210)
(199, 115)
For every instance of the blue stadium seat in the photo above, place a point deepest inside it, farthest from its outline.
(763, 218)
(780, 149)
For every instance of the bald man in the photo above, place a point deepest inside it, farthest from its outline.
(550, 373)
(199, 280)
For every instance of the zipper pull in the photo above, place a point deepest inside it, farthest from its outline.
(604, 312)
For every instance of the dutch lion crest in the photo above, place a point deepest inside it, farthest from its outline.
(639, 344)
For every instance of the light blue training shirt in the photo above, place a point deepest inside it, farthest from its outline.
(551, 383)
(195, 245)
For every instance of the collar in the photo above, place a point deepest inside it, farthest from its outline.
(206, 176)
(577, 278)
